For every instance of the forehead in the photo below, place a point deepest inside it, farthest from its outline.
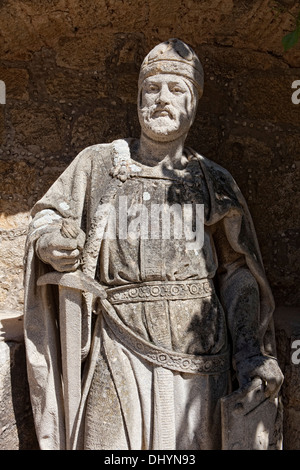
(166, 78)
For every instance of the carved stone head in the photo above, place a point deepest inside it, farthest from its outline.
(170, 85)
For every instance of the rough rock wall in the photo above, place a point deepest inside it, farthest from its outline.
(287, 338)
(71, 68)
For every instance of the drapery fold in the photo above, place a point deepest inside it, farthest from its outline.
(81, 193)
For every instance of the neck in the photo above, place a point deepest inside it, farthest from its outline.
(168, 154)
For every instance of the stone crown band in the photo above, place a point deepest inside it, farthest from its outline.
(173, 57)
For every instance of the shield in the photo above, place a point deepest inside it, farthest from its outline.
(250, 419)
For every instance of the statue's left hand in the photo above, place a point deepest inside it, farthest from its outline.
(264, 367)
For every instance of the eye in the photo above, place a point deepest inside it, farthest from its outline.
(152, 88)
(177, 90)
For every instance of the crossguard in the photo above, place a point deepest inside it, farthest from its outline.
(77, 280)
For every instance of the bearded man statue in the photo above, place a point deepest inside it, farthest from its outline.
(166, 325)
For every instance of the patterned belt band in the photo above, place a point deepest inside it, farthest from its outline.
(172, 360)
(161, 290)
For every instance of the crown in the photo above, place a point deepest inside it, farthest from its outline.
(173, 57)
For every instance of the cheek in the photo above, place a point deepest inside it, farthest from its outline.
(147, 100)
(185, 105)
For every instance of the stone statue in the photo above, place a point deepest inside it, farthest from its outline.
(135, 332)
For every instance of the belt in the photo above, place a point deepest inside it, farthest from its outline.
(161, 357)
(160, 290)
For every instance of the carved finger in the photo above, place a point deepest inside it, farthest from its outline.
(72, 266)
(81, 240)
(66, 266)
(69, 229)
(66, 254)
(61, 243)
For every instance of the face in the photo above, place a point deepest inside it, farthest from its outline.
(167, 107)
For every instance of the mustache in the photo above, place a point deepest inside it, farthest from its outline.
(155, 109)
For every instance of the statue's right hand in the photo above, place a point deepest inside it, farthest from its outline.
(62, 253)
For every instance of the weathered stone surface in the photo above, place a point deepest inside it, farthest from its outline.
(16, 422)
(38, 126)
(287, 324)
(68, 64)
(162, 325)
(16, 81)
(250, 420)
(11, 264)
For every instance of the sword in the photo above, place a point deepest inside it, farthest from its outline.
(71, 286)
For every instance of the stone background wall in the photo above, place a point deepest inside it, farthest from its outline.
(71, 68)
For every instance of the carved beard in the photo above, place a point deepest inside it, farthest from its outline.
(166, 122)
(160, 121)
(163, 123)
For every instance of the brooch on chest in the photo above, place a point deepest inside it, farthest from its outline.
(122, 165)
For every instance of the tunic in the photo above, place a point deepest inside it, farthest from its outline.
(187, 404)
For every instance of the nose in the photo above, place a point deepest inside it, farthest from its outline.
(163, 95)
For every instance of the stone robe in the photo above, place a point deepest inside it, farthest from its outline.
(159, 353)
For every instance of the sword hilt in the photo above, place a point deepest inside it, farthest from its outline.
(75, 280)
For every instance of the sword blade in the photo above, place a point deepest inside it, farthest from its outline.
(70, 337)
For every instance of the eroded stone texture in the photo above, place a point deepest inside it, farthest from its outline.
(12, 241)
(70, 65)
(16, 422)
(176, 313)
(287, 331)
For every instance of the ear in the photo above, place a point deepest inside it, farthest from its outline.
(139, 97)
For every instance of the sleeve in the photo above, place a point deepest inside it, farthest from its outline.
(239, 295)
(243, 286)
